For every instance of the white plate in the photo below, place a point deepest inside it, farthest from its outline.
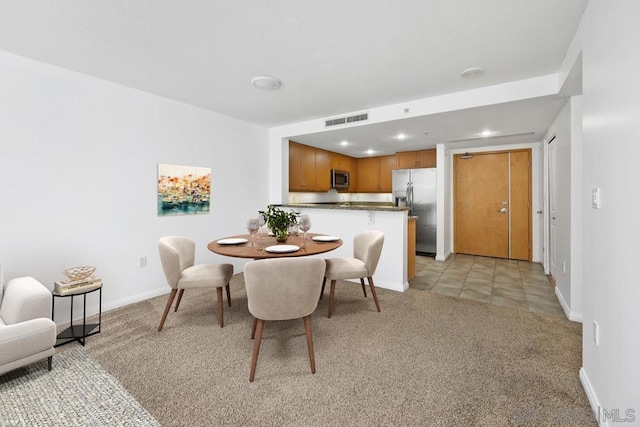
(325, 238)
(234, 241)
(281, 249)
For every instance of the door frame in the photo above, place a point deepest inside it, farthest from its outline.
(530, 196)
(546, 206)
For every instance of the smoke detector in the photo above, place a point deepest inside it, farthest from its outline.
(266, 82)
(472, 73)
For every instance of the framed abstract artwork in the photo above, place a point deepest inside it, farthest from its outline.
(183, 190)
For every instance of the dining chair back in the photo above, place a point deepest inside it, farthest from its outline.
(367, 247)
(177, 255)
(282, 289)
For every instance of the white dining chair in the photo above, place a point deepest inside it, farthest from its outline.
(177, 255)
(367, 247)
(282, 289)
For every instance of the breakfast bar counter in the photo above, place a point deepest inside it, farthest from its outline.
(347, 220)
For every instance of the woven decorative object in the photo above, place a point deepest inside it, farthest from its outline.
(79, 273)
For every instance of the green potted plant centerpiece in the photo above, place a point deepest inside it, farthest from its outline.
(279, 221)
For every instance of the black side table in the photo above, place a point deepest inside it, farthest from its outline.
(78, 332)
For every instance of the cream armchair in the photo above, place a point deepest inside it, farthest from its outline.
(27, 333)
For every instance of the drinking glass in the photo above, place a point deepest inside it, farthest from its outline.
(305, 225)
(261, 223)
(253, 225)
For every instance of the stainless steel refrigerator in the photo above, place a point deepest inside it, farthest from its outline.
(416, 188)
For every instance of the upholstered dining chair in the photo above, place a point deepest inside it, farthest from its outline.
(177, 255)
(367, 247)
(282, 289)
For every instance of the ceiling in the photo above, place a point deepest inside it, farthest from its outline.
(333, 56)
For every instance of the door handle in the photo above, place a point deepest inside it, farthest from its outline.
(503, 210)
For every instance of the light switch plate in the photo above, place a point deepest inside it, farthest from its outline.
(595, 198)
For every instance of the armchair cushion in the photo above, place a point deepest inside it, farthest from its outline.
(24, 299)
(26, 338)
(27, 333)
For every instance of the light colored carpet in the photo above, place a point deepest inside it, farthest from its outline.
(426, 359)
(77, 392)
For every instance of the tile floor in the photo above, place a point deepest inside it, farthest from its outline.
(504, 282)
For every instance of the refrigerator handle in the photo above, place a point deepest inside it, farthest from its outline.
(410, 196)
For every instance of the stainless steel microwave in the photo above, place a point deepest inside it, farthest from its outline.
(339, 179)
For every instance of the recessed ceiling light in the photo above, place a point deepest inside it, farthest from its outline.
(344, 143)
(472, 73)
(266, 82)
(486, 133)
(370, 151)
(401, 136)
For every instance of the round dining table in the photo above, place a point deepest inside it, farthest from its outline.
(263, 248)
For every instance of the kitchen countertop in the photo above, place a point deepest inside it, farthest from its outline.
(358, 206)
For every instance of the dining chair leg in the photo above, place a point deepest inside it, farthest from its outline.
(220, 307)
(49, 362)
(373, 292)
(333, 289)
(256, 348)
(322, 290)
(179, 299)
(228, 295)
(363, 288)
(307, 329)
(253, 329)
(172, 295)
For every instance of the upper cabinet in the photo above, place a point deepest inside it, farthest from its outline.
(323, 170)
(302, 167)
(374, 174)
(416, 159)
(349, 164)
(309, 168)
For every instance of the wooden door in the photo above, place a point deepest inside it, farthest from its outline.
(482, 192)
(493, 204)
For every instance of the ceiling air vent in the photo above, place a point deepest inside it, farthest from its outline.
(345, 120)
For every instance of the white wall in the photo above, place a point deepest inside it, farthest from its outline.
(611, 149)
(78, 170)
(444, 233)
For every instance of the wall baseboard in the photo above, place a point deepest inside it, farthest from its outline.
(92, 310)
(443, 258)
(573, 316)
(591, 396)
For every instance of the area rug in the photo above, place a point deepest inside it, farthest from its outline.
(76, 392)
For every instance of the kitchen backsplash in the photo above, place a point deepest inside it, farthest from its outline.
(334, 196)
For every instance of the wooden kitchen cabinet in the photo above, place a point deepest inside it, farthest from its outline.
(416, 159)
(309, 168)
(411, 248)
(387, 165)
(349, 164)
(323, 170)
(375, 174)
(302, 167)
